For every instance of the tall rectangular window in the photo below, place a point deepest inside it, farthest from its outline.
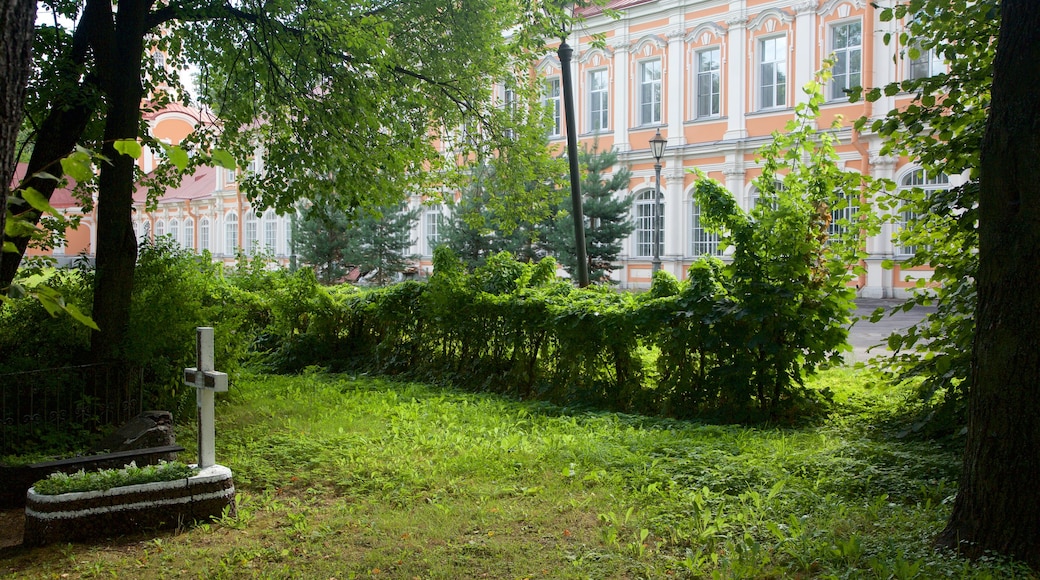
(708, 83)
(189, 233)
(847, 48)
(702, 242)
(599, 99)
(230, 234)
(646, 225)
(772, 72)
(270, 231)
(432, 225)
(552, 104)
(650, 92)
(251, 233)
(923, 62)
(204, 234)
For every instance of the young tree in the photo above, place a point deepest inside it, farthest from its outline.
(341, 95)
(375, 242)
(942, 129)
(481, 223)
(607, 217)
(379, 244)
(321, 237)
(996, 507)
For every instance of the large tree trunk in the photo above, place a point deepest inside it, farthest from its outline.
(119, 49)
(16, 33)
(57, 135)
(997, 506)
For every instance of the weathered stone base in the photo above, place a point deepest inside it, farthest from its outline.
(72, 517)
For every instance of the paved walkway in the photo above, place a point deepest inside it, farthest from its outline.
(865, 334)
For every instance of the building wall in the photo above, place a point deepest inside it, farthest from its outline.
(754, 44)
(656, 47)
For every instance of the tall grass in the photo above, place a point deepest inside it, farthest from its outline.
(348, 477)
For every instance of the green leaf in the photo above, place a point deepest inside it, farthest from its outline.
(78, 166)
(128, 147)
(39, 202)
(224, 159)
(177, 155)
(10, 247)
(81, 318)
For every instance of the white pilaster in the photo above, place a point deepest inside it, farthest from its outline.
(620, 89)
(676, 89)
(736, 72)
(805, 47)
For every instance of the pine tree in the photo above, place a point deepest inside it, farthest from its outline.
(471, 231)
(334, 242)
(381, 242)
(320, 237)
(607, 217)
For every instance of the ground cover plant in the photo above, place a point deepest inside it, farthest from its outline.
(103, 479)
(354, 477)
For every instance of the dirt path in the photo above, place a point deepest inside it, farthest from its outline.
(12, 524)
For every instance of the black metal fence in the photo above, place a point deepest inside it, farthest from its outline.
(62, 407)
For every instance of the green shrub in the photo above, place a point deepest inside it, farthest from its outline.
(101, 480)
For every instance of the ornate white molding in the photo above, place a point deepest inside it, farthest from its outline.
(883, 161)
(764, 17)
(806, 6)
(830, 5)
(644, 43)
(705, 32)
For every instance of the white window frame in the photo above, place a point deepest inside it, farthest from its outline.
(777, 65)
(848, 65)
(702, 242)
(650, 96)
(433, 219)
(599, 101)
(270, 226)
(175, 230)
(204, 234)
(712, 77)
(916, 179)
(250, 233)
(230, 233)
(552, 101)
(645, 210)
(189, 233)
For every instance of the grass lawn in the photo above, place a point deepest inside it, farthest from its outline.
(342, 477)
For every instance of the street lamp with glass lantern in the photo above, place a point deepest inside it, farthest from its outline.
(657, 149)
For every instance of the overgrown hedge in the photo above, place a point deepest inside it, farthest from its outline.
(683, 349)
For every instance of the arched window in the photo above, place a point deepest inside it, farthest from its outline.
(432, 221)
(204, 234)
(646, 211)
(919, 179)
(160, 228)
(175, 231)
(702, 242)
(188, 241)
(270, 231)
(230, 234)
(842, 215)
(145, 231)
(252, 233)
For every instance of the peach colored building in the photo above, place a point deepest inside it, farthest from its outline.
(715, 77)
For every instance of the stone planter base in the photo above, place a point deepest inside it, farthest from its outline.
(71, 517)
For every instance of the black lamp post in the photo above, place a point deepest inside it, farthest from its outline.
(564, 52)
(657, 148)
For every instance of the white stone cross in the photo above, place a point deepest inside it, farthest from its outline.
(207, 381)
